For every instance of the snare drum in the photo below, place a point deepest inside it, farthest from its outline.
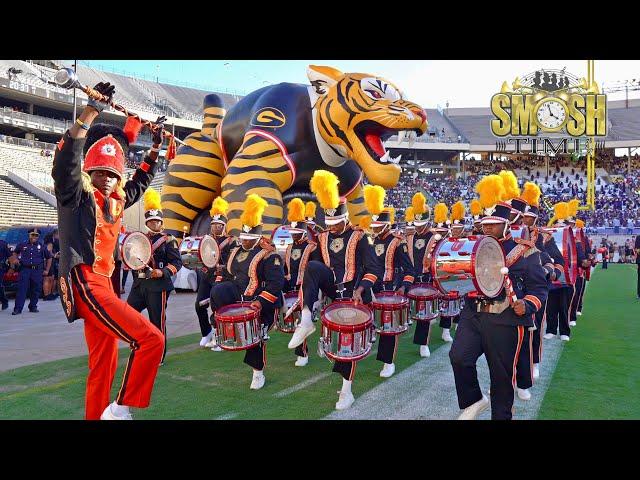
(238, 326)
(566, 243)
(390, 313)
(135, 250)
(450, 305)
(423, 299)
(469, 264)
(346, 330)
(288, 324)
(198, 252)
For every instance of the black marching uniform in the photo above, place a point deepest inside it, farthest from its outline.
(498, 335)
(153, 293)
(5, 253)
(579, 285)
(250, 275)
(390, 254)
(207, 278)
(417, 245)
(340, 262)
(588, 252)
(296, 259)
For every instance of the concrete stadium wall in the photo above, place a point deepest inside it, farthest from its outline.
(32, 189)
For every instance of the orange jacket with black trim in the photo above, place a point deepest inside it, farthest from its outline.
(79, 215)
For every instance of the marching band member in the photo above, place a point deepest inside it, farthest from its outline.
(549, 254)
(457, 229)
(418, 243)
(296, 259)
(587, 250)
(409, 217)
(476, 210)
(151, 289)
(341, 265)
(91, 200)
(207, 277)
(583, 263)
(390, 253)
(253, 272)
(496, 327)
(310, 215)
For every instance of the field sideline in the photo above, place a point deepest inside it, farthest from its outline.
(596, 376)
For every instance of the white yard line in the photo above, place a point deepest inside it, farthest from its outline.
(227, 416)
(301, 385)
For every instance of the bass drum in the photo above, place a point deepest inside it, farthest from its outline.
(566, 243)
(469, 264)
(135, 250)
(198, 252)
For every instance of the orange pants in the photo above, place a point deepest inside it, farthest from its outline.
(108, 319)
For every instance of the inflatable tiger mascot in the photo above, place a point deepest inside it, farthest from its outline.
(272, 141)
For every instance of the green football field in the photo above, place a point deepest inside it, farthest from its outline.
(596, 377)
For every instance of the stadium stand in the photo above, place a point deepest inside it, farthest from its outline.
(19, 207)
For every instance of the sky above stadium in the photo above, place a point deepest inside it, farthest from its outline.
(430, 83)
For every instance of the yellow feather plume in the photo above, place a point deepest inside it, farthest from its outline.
(324, 185)
(457, 211)
(392, 213)
(409, 216)
(365, 222)
(510, 182)
(419, 204)
(579, 223)
(219, 207)
(310, 210)
(490, 189)
(440, 212)
(573, 207)
(475, 207)
(561, 210)
(295, 210)
(531, 193)
(254, 207)
(374, 198)
(151, 199)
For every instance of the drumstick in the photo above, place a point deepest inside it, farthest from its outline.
(292, 308)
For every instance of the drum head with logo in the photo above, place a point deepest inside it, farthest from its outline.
(135, 250)
(423, 292)
(349, 314)
(209, 251)
(490, 259)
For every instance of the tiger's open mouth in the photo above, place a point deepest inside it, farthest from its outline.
(373, 135)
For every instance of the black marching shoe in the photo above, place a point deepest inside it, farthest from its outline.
(5, 306)
(15, 312)
(34, 310)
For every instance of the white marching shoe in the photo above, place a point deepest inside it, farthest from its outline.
(547, 336)
(301, 361)
(446, 335)
(388, 370)
(424, 351)
(572, 323)
(524, 394)
(345, 400)
(258, 380)
(116, 412)
(564, 338)
(472, 411)
(578, 313)
(536, 371)
(205, 340)
(303, 330)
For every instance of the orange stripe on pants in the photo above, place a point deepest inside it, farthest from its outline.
(107, 319)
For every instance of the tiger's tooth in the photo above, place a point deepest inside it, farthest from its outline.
(396, 160)
(385, 158)
(401, 135)
(412, 137)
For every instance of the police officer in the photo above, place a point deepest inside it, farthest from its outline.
(35, 262)
(296, 259)
(207, 277)
(151, 288)
(341, 266)
(253, 273)
(496, 326)
(418, 245)
(5, 254)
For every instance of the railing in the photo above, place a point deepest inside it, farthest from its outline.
(23, 142)
(7, 115)
(42, 180)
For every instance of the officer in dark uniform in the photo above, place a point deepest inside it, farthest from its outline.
(151, 288)
(296, 259)
(496, 327)
(418, 243)
(253, 273)
(337, 269)
(35, 262)
(207, 277)
(5, 254)
(552, 261)
(391, 255)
